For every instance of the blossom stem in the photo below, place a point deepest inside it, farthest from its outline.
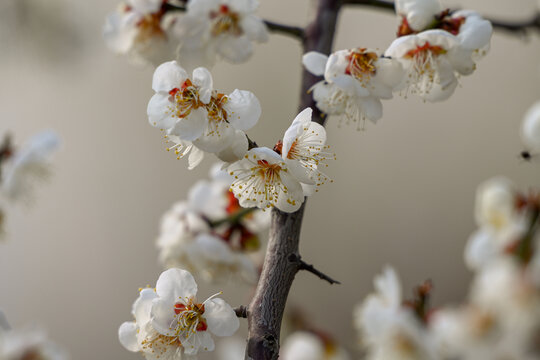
(241, 311)
(268, 304)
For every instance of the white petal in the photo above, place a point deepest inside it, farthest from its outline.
(192, 126)
(299, 172)
(439, 93)
(217, 140)
(315, 62)
(203, 79)
(243, 109)
(120, 32)
(530, 128)
(159, 113)
(163, 315)
(221, 318)
(145, 6)
(350, 85)
(291, 200)
(173, 284)
(168, 76)
(234, 49)
(372, 108)
(255, 28)
(419, 13)
(475, 33)
(195, 157)
(236, 150)
(127, 334)
(141, 307)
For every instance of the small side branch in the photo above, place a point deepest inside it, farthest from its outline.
(241, 311)
(302, 265)
(293, 31)
(381, 4)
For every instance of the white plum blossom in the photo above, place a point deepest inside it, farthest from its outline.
(262, 179)
(418, 14)
(213, 29)
(176, 313)
(431, 60)
(197, 115)
(142, 29)
(303, 345)
(530, 129)
(389, 330)
(140, 335)
(355, 81)
(28, 165)
(304, 149)
(499, 220)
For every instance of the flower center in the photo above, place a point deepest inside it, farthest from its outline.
(150, 27)
(225, 21)
(361, 64)
(425, 51)
(189, 318)
(185, 98)
(216, 112)
(268, 172)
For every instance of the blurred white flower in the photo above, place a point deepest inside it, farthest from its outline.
(28, 344)
(262, 179)
(141, 29)
(176, 313)
(27, 166)
(303, 345)
(214, 29)
(388, 329)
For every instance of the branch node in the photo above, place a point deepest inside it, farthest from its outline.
(302, 265)
(241, 311)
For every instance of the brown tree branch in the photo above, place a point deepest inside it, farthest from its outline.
(267, 307)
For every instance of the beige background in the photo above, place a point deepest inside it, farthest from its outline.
(403, 190)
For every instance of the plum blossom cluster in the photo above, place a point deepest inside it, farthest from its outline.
(210, 235)
(198, 119)
(21, 168)
(501, 317)
(154, 31)
(434, 47)
(170, 322)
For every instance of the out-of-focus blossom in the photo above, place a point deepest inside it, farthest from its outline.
(28, 344)
(142, 29)
(213, 29)
(303, 345)
(27, 165)
(176, 313)
(390, 330)
(210, 234)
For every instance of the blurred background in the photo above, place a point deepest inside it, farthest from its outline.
(403, 190)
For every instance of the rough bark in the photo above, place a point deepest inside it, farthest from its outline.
(282, 258)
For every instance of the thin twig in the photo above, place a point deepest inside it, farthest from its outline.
(241, 311)
(293, 31)
(302, 265)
